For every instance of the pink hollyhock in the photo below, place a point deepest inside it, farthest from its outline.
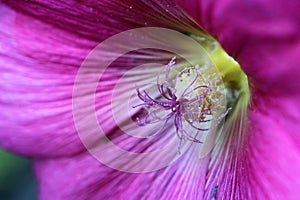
(43, 44)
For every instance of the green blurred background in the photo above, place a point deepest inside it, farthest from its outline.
(17, 181)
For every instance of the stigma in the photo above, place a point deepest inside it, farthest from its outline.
(192, 98)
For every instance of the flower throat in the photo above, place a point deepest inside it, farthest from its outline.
(195, 99)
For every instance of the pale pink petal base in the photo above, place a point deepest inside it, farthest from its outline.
(83, 177)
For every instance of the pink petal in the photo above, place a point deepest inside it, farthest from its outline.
(42, 46)
(36, 116)
(82, 177)
(189, 177)
(274, 156)
(186, 179)
(39, 131)
(263, 36)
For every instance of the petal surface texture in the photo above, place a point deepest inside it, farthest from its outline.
(43, 44)
(263, 36)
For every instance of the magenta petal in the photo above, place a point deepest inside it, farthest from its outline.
(263, 36)
(37, 120)
(43, 44)
(96, 20)
(274, 158)
(274, 147)
(35, 100)
(82, 177)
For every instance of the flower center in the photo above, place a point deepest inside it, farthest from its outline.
(192, 98)
(196, 99)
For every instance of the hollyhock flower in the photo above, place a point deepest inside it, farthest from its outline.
(257, 156)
